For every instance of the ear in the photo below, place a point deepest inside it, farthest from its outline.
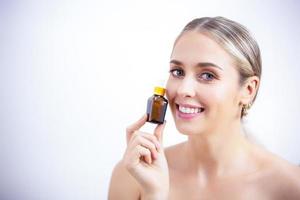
(249, 90)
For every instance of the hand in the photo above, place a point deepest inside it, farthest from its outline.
(145, 159)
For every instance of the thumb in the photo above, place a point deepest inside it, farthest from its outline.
(134, 127)
(158, 132)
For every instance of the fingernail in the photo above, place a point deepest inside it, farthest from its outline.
(157, 145)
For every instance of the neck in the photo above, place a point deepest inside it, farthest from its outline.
(218, 153)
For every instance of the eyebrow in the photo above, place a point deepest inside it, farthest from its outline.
(200, 64)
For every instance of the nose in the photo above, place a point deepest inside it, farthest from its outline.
(186, 88)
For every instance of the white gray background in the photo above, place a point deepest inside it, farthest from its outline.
(74, 74)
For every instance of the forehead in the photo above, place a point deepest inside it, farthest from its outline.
(193, 47)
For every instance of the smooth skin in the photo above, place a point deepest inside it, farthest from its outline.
(217, 161)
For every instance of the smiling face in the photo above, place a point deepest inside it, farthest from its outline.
(203, 87)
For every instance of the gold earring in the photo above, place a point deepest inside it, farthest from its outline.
(245, 109)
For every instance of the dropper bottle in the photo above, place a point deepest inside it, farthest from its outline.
(157, 106)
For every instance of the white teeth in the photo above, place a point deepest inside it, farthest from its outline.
(189, 110)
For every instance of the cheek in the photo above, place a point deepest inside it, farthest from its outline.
(221, 95)
(212, 94)
(170, 89)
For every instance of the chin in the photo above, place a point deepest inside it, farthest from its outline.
(188, 129)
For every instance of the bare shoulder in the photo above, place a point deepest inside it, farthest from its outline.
(280, 177)
(288, 179)
(122, 184)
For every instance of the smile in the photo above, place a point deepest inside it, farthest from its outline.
(187, 111)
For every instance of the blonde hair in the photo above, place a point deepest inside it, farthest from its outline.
(235, 40)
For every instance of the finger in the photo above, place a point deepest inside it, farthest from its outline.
(132, 158)
(141, 140)
(144, 153)
(135, 126)
(158, 132)
(151, 138)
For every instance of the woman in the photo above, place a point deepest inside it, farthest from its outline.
(215, 71)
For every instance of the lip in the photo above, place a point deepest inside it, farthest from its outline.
(187, 116)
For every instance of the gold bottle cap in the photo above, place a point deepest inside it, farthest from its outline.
(159, 91)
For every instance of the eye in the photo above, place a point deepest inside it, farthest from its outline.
(207, 76)
(177, 72)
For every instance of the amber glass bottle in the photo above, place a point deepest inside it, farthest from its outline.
(157, 106)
